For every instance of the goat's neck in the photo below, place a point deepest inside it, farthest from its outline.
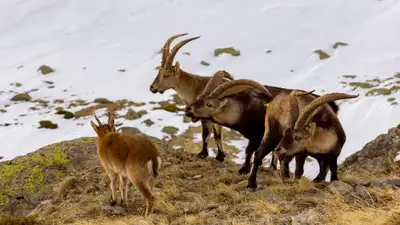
(190, 86)
(98, 144)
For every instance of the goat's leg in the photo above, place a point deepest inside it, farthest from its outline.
(123, 188)
(113, 185)
(144, 189)
(253, 144)
(323, 169)
(217, 130)
(205, 134)
(333, 167)
(265, 147)
(300, 160)
(274, 161)
(284, 170)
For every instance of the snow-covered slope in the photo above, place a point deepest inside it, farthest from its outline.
(105, 36)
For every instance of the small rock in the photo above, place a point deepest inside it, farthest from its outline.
(44, 69)
(198, 177)
(339, 187)
(21, 97)
(132, 115)
(129, 130)
(109, 210)
(309, 217)
(362, 192)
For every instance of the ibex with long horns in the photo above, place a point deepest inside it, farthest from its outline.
(325, 134)
(127, 156)
(188, 86)
(240, 105)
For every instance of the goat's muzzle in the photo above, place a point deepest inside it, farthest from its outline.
(189, 113)
(154, 90)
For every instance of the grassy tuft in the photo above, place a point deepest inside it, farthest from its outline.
(44, 69)
(170, 130)
(378, 91)
(204, 63)
(67, 114)
(361, 85)
(229, 50)
(148, 122)
(47, 124)
(19, 220)
(338, 44)
(21, 97)
(102, 101)
(322, 55)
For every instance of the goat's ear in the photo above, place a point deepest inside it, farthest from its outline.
(311, 128)
(177, 67)
(95, 127)
(223, 103)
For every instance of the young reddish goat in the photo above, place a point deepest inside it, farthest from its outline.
(127, 156)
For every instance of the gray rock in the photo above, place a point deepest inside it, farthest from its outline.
(389, 183)
(109, 210)
(362, 192)
(340, 188)
(309, 217)
(129, 130)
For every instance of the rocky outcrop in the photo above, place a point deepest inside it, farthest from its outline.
(379, 156)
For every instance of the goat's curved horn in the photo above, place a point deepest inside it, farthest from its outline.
(293, 106)
(215, 81)
(307, 111)
(109, 118)
(97, 119)
(227, 85)
(165, 51)
(175, 49)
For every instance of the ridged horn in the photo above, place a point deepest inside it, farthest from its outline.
(175, 49)
(216, 80)
(165, 51)
(293, 109)
(97, 119)
(227, 85)
(309, 109)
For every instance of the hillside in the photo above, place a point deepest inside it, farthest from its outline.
(63, 183)
(107, 51)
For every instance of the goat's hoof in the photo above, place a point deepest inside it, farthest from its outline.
(112, 202)
(244, 170)
(220, 158)
(251, 189)
(202, 155)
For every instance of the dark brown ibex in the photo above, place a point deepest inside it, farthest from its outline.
(240, 105)
(282, 111)
(306, 136)
(188, 86)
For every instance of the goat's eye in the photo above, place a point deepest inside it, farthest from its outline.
(297, 138)
(208, 105)
(166, 76)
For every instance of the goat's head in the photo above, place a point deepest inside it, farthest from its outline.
(297, 136)
(212, 103)
(208, 105)
(103, 129)
(168, 74)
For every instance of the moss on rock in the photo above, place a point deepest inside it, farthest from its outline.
(67, 114)
(167, 106)
(204, 63)
(378, 91)
(229, 50)
(21, 97)
(148, 122)
(47, 124)
(363, 85)
(102, 101)
(170, 130)
(44, 69)
(132, 115)
(339, 44)
(322, 55)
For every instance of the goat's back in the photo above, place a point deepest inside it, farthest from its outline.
(117, 151)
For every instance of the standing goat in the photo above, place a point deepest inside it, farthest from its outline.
(127, 156)
(283, 110)
(307, 136)
(240, 105)
(188, 86)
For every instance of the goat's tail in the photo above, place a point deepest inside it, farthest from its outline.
(153, 166)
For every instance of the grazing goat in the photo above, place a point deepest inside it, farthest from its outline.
(240, 105)
(308, 136)
(127, 156)
(188, 86)
(281, 111)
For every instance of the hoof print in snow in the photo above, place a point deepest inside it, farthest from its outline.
(268, 51)
(121, 70)
(229, 50)
(67, 114)
(339, 44)
(170, 130)
(22, 97)
(44, 69)
(322, 55)
(47, 124)
(204, 63)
